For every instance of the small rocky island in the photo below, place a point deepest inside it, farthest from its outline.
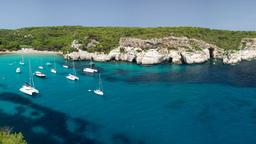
(175, 50)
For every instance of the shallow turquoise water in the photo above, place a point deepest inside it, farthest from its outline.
(164, 104)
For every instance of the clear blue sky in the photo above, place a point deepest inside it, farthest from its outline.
(220, 14)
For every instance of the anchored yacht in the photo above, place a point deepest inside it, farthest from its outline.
(29, 89)
(73, 76)
(99, 90)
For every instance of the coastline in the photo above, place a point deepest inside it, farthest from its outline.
(30, 51)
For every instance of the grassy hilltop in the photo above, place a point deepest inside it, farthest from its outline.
(60, 37)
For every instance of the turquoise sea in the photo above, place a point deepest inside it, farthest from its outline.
(162, 104)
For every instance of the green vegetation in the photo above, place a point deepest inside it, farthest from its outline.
(11, 138)
(60, 37)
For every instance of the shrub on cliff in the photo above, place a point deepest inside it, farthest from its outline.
(60, 37)
(6, 137)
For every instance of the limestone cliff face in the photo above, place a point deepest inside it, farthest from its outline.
(176, 50)
(247, 52)
(169, 49)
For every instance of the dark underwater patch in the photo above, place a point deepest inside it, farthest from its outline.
(53, 122)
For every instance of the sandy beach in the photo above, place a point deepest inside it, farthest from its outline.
(29, 51)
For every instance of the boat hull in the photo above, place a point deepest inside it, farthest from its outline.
(90, 70)
(72, 77)
(29, 90)
(99, 92)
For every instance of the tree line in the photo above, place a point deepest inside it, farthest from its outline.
(59, 38)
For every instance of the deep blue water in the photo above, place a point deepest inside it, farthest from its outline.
(162, 104)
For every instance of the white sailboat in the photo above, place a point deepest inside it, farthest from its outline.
(48, 64)
(22, 60)
(73, 76)
(99, 90)
(41, 66)
(40, 74)
(65, 65)
(53, 70)
(29, 88)
(90, 69)
(18, 70)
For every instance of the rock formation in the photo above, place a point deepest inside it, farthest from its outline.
(176, 50)
(247, 51)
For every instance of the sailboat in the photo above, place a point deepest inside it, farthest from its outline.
(73, 76)
(41, 66)
(53, 70)
(22, 60)
(99, 90)
(65, 65)
(29, 88)
(48, 64)
(91, 69)
(18, 70)
(40, 74)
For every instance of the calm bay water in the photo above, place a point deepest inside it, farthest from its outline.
(162, 104)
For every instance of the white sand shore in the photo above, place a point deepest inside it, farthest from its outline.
(29, 51)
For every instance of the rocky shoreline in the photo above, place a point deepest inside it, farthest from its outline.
(174, 50)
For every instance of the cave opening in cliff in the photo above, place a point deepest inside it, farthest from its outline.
(211, 52)
(170, 60)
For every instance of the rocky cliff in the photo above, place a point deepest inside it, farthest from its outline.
(176, 50)
(247, 51)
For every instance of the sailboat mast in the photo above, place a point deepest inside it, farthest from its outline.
(54, 62)
(74, 68)
(100, 84)
(31, 81)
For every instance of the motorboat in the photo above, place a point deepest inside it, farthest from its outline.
(90, 70)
